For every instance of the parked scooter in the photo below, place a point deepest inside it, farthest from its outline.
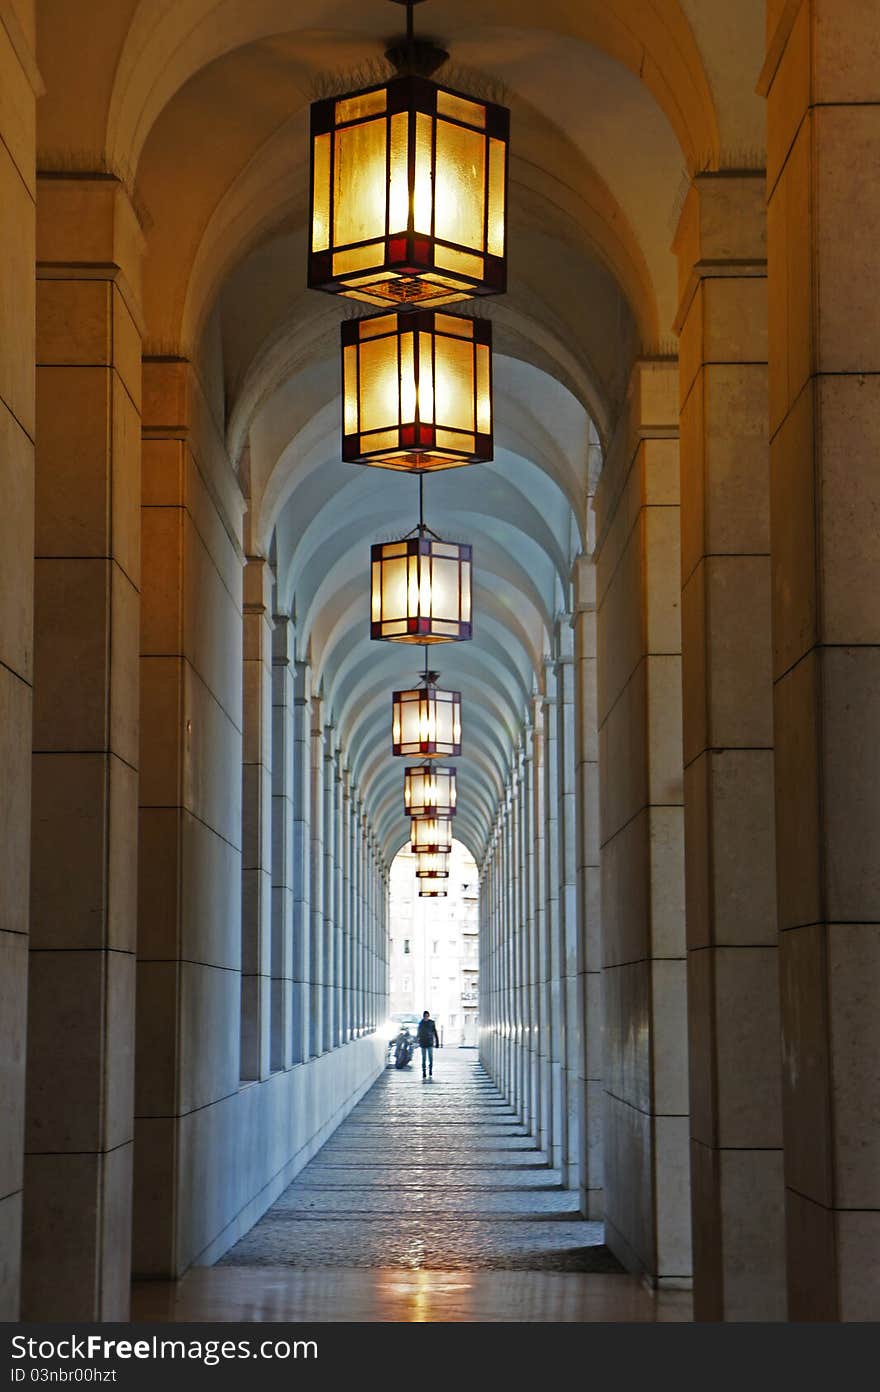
(404, 1048)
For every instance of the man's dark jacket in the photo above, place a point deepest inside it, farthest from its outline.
(427, 1034)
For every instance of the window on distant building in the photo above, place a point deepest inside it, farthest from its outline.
(436, 948)
(406, 944)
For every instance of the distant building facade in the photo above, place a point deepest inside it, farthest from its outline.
(435, 947)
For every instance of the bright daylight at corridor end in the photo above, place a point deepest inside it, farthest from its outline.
(439, 662)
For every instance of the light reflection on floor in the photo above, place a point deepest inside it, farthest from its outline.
(363, 1295)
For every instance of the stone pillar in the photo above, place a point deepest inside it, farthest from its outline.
(339, 904)
(80, 1065)
(331, 965)
(513, 937)
(589, 895)
(301, 862)
(19, 81)
(281, 1044)
(507, 931)
(530, 1034)
(347, 910)
(647, 1211)
(189, 821)
(357, 911)
(571, 948)
(733, 987)
(823, 120)
(541, 998)
(556, 1137)
(316, 881)
(256, 812)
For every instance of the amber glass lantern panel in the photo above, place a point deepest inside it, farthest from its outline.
(426, 722)
(432, 865)
(408, 195)
(417, 391)
(432, 834)
(421, 591)
(429, 791)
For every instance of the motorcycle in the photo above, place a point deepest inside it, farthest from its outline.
(404, 1048)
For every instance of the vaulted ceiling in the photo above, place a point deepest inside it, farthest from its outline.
(202, 107)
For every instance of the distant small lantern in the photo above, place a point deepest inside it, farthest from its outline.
(417, 391)
(408, 194)
(432, 865)
(426, 721)
(428, 891)
(421, 590)
(431, 834)
(429, 791)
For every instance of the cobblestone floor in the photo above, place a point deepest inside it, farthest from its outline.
(428, 1176)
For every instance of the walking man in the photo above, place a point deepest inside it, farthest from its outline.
(427, 1037)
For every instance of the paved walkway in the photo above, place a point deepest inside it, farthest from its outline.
(429, 1203)
(428, 1176)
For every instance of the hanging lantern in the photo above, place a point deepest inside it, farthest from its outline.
(426, 721)
(432, 834)
(432, 865)
(417, 391)
(429, 791)
(432, 893)
(408, 194)
(421, 590)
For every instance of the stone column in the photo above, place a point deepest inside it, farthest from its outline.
(507, 929)
(189, 822)
(556, 1138)
(347, 909)
(541, 998)
(19, 81)
(733, 987)
(331, 965)
(589, 895)
(316, 883)
(513, 938)
(647, 1212)
(301, 862)
(281, 1050)
(339, 904)
(572, 953)
(80, 1064)
(823, 120)
(256, 813)
(369, 926)
(357, 910)
(530, 1033)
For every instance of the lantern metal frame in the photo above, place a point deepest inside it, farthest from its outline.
(417, 391)
(429, 790)
(436, 713)
(409, 133)
(432, 865)
(402, 606)
(431, 834)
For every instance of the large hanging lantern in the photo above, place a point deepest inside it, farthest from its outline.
(421, 590)
(408, 194)
(426, 721)
(431, 834)
(416, 391)
(432, 865)
(429, 791)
